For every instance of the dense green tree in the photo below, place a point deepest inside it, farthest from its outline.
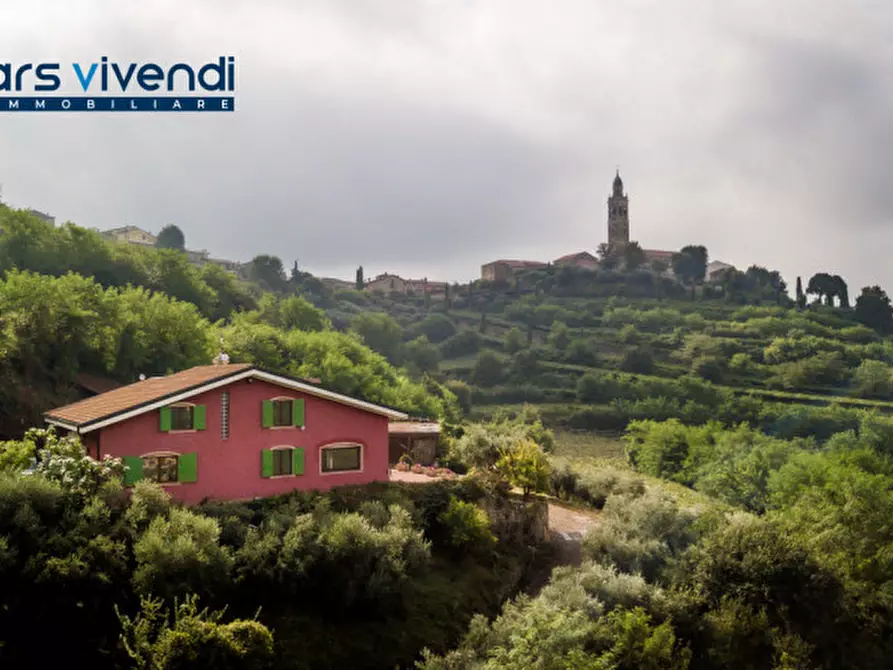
(171, 237)
(801, 297)
(841, 291)
(360, 282)
(639, 359)
(267, 271)
(559, 336)
(230, 295)
(874, 310)
(421, 356)
(290, 313)
(690, 265)
(488, 370)
(436, 327)
(633, 257)
(380, 333)
(609, 256)
(514, 340)
(823, 285)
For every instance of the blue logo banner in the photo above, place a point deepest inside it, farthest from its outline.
(108, 86)
(141, 104)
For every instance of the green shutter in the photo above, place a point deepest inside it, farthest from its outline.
(266, 463)
(198, 417)
(133, 470)
(267, 414)
(297, 407)
(165, 419)
(299, 461)
(187, 468)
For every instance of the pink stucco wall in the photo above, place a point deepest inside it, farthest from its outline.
(231, 468)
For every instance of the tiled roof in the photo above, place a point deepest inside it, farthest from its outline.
(520, 264)
(656, 253)
(139, 393)
(95, 383)
(143, 396)
(413, 428)
(573, 257)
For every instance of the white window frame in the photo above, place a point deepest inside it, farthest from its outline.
(182, 430)
(285, 447)
(163, 453)
(341, 445)
(280, 398)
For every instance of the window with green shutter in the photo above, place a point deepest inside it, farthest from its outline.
(164, 419)
(281, 462)
(133, 470)
(187, 468)
(198, 417)
(282, 412)
(298, 412)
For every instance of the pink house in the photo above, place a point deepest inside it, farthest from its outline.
(233, 432)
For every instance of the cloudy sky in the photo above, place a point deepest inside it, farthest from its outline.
(426, 137)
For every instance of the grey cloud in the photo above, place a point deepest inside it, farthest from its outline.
(428, 137)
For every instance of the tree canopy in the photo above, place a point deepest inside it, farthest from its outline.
(171, 237)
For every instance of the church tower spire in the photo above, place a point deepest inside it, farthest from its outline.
(618, 214)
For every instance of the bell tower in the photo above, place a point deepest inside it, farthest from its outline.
(618, 214)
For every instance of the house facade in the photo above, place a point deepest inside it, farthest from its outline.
(233, 432)
(130, 235)
(503, 270)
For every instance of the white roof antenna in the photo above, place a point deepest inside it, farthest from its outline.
(222, 358)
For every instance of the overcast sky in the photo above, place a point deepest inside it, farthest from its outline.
(426, 137)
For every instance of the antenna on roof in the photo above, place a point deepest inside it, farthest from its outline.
(222, 358)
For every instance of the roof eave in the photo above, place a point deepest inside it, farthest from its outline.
(254, 372)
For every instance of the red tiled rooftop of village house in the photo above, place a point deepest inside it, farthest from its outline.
(574, 256)
(520, 264)
(141, 392)
(657, 253)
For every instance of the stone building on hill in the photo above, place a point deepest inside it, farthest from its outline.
(502, 270)
(138, 236)
(388, 283)
(618, 239)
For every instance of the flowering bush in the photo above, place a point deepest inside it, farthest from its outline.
(65, 461)
(402, 466)
(431, 471)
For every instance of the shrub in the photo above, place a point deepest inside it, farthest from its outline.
(488, 369)
(65, 461)
(639, 360)
(641, 534)
(436, 327)
(524, 465)
(180, 554)
(467, 527)
(708, 367)
(873, 379)
(148, 500)
(462, 391)
(461, 344)
(157, 639)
